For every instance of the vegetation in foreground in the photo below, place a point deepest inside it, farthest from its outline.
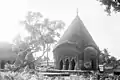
(24, 75)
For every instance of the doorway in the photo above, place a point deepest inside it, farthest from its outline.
(66, 64)
(73, 64)
(2, 64)
(61, 65)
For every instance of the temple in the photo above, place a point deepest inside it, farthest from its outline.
(76, 49)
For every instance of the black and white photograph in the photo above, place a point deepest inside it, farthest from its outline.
(59, 39)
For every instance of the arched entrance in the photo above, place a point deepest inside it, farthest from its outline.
(66, 64)
(73, 64)
(61, 65)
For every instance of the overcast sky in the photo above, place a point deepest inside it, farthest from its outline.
(104, 29)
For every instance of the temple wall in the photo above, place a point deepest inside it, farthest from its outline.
(70, 52)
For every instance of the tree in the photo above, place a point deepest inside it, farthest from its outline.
(42, 34)
(111, 5)
(19, 45)
(106, 55)
(113, 59)
(46, 58)
(106, 58)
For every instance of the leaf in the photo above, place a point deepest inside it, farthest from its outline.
(7, 77)
(59, 25)
(111, 5)
(39, 14)
(46, 22)
(106, 52)
(58, 34)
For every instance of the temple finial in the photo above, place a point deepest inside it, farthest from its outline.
(77, 11)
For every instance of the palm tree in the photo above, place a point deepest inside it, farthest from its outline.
(106, 55)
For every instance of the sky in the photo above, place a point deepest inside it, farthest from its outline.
(11, 12)
(104, 29)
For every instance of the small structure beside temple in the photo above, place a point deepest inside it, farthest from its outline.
(6, 54)
(76, 49)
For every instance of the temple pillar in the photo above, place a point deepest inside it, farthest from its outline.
(76, 66)
(73, 64)
(80, 64)
(70, 65)
(64, 65)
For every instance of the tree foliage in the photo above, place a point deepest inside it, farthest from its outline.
(19, 45)
(42, 33)
(106, 58)
(111, 5)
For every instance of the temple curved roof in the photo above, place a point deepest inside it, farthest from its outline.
(77, 33)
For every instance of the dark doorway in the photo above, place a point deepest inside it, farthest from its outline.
(73, 64)
(66, 64)
(61, 65)
(94, 64)
(2, 64)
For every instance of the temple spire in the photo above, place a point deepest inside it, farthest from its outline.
(77, 11)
